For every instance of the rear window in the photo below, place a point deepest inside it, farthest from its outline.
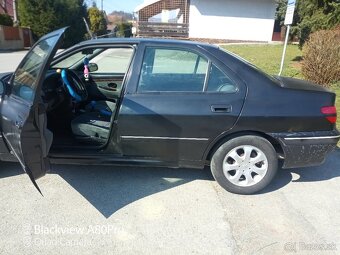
(272, 78)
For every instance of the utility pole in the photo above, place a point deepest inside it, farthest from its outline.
(288, 22)
(102, 5)
(15, 14)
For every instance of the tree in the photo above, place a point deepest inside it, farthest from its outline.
(6, 20)
(98, 24)
(124, 29)
(44, 16)
(310, 16)
(315, 15)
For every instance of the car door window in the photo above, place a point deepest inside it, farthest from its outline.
(26, 77)
(220, 82)
(115, 60)
(172, 70)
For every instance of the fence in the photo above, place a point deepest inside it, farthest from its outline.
(153, 29)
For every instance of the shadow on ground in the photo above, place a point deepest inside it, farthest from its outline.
(109, 188)
(329, 170)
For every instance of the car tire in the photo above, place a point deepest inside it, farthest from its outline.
(245, 164)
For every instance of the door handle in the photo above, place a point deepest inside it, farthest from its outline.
(221, 108)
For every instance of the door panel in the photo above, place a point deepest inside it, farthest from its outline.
(182, 101)
(175, 127)
(105, 86)
(23, 116)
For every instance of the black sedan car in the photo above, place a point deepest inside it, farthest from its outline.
(161, 103)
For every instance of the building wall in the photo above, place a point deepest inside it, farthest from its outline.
(12, 39)
(245, 20)
(6, 6)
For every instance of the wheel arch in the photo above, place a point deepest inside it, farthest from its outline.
(219, 141)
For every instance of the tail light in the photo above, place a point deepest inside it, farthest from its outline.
(330, 112)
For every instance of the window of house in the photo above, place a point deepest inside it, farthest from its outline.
(172, 70)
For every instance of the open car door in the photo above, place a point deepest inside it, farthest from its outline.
(23, 114)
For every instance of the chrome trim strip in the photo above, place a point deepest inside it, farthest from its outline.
(165, 138)
(312, 138)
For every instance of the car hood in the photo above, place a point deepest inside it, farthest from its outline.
(292, 83)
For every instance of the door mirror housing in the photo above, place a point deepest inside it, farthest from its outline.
(93, 67)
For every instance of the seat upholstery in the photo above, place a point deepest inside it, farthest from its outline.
(94, 125)
(100, 106)
(91, 127)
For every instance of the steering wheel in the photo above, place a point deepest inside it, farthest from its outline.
(74, 85)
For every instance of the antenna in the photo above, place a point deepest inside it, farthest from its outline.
(88, 28)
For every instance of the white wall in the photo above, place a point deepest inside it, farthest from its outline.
(248, 20)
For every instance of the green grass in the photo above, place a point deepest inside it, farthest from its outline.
(268, 58)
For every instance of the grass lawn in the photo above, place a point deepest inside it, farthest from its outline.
(268, 58)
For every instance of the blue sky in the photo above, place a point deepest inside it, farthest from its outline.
(125, 5)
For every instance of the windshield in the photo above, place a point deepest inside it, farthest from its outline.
(26, 77)
(75, 59)
(108, 60)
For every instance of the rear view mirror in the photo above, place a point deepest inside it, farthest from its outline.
(87, 52)
(93, 67)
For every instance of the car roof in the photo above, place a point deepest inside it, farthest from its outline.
(135, 40)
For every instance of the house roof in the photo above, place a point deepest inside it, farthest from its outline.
(145, 4)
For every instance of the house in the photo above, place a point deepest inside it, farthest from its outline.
(6, 7)
(230, 20)
(13, 37)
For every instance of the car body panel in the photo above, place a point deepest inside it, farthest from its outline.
(181, 130)
(303, 149)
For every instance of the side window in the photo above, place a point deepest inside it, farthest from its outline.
(172, 70)
(220, 82)
(116, 60)
(26, 76)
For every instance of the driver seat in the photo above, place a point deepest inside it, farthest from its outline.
(104, 107)
(93, 126)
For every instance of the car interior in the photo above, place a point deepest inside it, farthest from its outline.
(81, 92)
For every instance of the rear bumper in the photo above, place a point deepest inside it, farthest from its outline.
(307, 148)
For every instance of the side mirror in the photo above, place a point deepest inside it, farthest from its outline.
(2, 87)
(93, 67)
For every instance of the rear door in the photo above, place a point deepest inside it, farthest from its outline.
(23, 116)
(180, 100)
